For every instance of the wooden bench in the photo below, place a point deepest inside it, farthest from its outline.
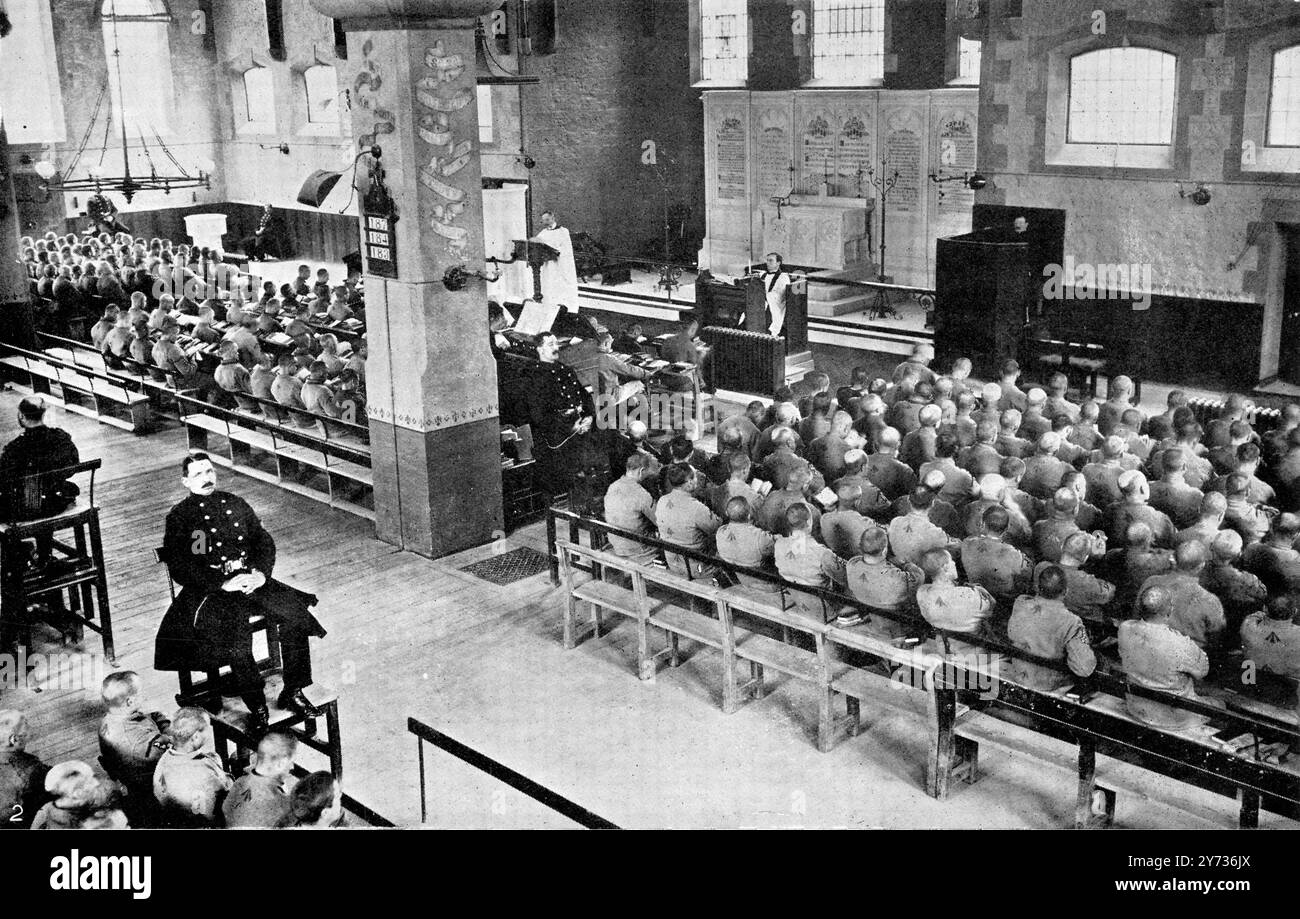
(1102, 725)
(959, 719)
(1097, 790)
(78, 388)
(677, 620)
(819, 665)
(632, 602)
(900, 662)
(824, 665)
(764, 652)
(156, 385)
(326, 466)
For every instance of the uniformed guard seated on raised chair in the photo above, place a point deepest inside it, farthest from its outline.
(37, 449)
(25, 495)
(217, 550)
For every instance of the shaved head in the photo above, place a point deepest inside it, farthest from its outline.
(738, 510)
(1190, 555)
(874, 542)
(1227, 545)
(1153, 602)
(276, 746)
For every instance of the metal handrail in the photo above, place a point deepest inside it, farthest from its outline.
(502, 773)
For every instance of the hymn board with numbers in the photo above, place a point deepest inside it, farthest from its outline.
(380, 244)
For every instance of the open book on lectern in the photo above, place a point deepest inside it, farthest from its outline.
(536, 318)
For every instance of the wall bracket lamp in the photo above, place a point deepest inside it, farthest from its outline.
(1200, 195)
(972, 180)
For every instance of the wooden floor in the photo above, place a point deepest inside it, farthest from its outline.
(413, 637)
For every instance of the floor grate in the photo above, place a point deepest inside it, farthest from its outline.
(509, 567)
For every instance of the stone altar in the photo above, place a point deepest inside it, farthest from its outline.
(820, 231)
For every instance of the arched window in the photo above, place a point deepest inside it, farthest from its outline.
(137, 47)
(1122, 96)
(1284, 99)
(848, 41)
(31, 103)
(322, 95)
(259, 96)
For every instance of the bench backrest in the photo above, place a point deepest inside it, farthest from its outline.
(606, 560)
(274, 410)
(643, 575)
(739, 601)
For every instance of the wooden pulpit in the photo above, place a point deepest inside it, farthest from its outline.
(984, 291)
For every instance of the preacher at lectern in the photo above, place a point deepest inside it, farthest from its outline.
(776, 292)
(559, 277)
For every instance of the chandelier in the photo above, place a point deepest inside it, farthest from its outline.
(98, 178)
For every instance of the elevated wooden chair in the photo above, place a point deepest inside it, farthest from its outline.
(230, 726)
(40, 509)
(206, 691)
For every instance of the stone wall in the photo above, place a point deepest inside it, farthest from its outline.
(84, 70)
(1222, 252)
(257, 175)
(620, 76)
(1136, 215)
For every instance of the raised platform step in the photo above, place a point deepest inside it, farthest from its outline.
(820, 292)
(864, 272)
(830, 300)
(856, 301)
(824, 293)
(797, 366)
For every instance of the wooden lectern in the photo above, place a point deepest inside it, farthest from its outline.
(536, 255)
(722, 305)
(985, 289)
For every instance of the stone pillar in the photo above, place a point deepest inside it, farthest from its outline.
(430, 377)
(16, 315)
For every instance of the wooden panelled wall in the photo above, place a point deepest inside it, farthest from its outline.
(320, 235)
(1187, 341)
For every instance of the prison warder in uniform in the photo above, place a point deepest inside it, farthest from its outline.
(219, 554)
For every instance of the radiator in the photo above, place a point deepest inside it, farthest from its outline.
(749, 362)
(1262, 420)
